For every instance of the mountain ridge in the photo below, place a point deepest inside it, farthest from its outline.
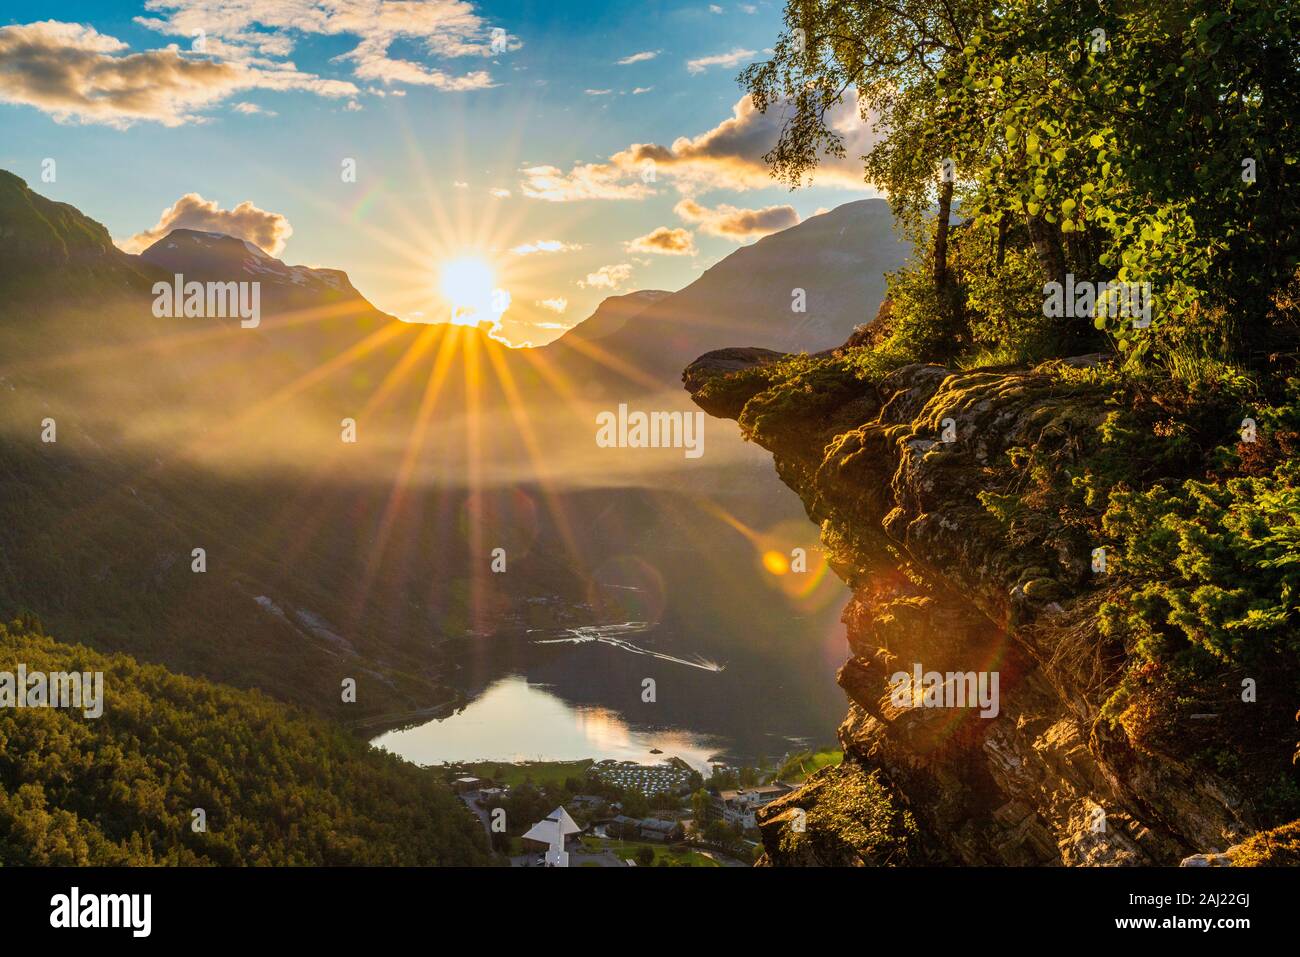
(805, 288)
(839, 257)
(176, 432)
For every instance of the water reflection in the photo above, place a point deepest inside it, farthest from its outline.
(515, 721)
(742, 648)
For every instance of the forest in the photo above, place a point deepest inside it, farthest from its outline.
(1026, 142)
(274, 784)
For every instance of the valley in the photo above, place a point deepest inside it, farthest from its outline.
(370, 562)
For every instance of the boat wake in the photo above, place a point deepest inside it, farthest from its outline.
(609, 635)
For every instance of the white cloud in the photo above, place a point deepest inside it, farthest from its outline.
(664, 241)
(75, 73)
(372, 62)
(265, 229)
(248, 29)
(740, 225)
(545, 246)
(557, 305)
(734, 58)
(583, 181)
(641, 89)
(598, 92)
(730, 156)
(607, 277)
(639, 57)
(499, 193)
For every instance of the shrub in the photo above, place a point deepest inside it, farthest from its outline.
(1218, 564)
(1007, 324)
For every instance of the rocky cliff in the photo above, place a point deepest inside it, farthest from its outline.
(933, 489)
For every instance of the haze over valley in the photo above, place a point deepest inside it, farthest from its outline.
(329, 558)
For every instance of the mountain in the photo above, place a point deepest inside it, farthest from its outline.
(327, 560)
(43, 242)
(308, 314)
(613, 313)
(171, 434)
(206, 256)
(39, 230)
(838, 259)
(277, 786)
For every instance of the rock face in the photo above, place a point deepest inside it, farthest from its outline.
(893, 472)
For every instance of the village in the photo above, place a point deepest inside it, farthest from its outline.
(625, 814)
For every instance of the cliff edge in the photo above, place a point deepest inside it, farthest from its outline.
(1112, 575)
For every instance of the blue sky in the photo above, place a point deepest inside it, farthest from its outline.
(437, 110)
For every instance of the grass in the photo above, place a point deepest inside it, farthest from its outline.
(799, 767)
(674, 855)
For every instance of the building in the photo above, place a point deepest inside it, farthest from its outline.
(463, 785)
(552, 833)
(738, 806)
(655, 829)
(623, 827)
(645, 829)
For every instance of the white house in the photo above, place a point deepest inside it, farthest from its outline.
(552, 831)
(738, 806)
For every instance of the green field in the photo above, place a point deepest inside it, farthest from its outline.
(800, 767)
(677, 856)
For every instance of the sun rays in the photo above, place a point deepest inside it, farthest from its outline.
(466, 286)
(437, 401)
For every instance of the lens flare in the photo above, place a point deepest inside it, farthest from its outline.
(466, 285)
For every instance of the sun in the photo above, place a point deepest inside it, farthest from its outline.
(467, 286)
